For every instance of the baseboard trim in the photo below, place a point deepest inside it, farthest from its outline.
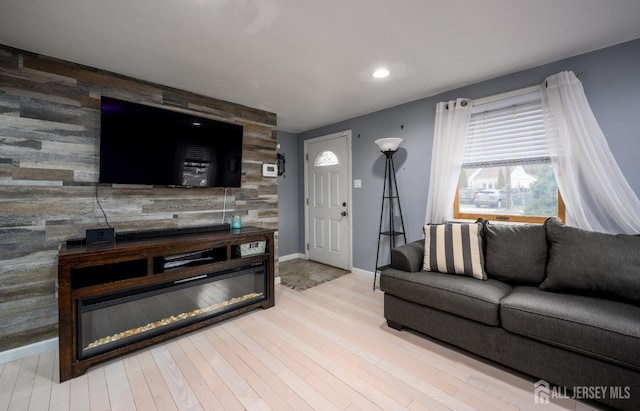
(360, 271)
(27, 350)
(291, 257)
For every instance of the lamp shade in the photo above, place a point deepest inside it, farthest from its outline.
(388, 144)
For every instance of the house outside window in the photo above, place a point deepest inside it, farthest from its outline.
(507, 173)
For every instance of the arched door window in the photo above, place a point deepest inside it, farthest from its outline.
(326, 158)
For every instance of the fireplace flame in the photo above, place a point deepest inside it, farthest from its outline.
(170, 320)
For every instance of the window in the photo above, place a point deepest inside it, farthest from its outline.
(506, 173)
(326, 158)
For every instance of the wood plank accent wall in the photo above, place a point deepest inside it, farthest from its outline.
(49, 147)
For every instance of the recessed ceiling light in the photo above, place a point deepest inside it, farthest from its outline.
(380, 73)
(197, 123)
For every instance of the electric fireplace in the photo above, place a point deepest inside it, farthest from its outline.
(119, 319)
(118, 297)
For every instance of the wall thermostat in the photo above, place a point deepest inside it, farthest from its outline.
(269, 170)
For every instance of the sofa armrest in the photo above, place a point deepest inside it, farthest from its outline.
(408, 257)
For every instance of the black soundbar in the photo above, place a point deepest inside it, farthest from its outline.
(140, 235)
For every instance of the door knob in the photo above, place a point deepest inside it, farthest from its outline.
(344, 213)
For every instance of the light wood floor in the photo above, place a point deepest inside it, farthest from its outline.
(324, 348)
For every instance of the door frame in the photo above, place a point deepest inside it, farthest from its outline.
(346, 134)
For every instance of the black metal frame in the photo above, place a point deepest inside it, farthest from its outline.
(390, 183)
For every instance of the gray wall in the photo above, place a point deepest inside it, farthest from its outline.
(288, 209)
(610, 78)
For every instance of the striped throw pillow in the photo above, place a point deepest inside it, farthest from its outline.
(454, 248)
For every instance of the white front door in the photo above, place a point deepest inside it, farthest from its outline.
(328, 203)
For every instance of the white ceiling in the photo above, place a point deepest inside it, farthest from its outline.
(310, 61)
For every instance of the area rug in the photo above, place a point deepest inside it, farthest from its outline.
(301, 274)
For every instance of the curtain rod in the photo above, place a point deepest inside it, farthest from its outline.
(513, 93)
(508, 94)
(578, 75)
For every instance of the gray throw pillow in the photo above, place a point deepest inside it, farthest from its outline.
(587, 262)
(516, 252)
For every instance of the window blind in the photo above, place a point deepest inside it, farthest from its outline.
(507, 131)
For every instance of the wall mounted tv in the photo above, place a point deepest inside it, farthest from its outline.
(141, 144)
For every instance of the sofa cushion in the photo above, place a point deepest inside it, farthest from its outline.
(463, 296)
(516, 252)
(591, 263)
(454, 248)
(600, 328)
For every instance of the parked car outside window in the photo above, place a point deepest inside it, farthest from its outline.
(467, 195)
(490, 198)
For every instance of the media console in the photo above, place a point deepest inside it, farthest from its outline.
(122, 296)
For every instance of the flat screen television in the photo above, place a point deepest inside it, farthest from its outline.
(141, 144)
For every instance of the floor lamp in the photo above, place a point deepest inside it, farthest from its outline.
(390, 199)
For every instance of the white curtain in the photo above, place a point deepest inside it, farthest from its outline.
(595, 192)
(450, 135)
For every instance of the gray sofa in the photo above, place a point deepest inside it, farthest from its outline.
(554, 302)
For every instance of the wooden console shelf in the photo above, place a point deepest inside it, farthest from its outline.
(118, 297)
